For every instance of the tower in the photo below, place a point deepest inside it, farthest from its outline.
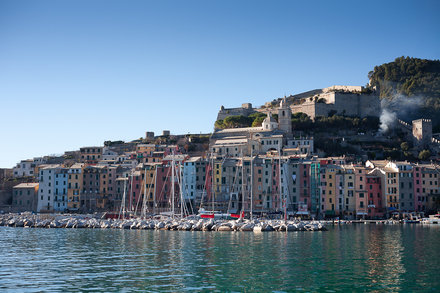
(422, 131)
(285, 117)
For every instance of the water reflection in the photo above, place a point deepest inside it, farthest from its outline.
(346, 258)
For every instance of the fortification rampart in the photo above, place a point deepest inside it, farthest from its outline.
(245, 110)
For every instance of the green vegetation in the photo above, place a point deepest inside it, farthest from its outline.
(333, 147)
(424, 155)
(301, 121)
(410, 77)
(238, 121)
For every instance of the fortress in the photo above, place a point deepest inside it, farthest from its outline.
(341, 100)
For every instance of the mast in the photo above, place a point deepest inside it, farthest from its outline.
(181, 191)
(144, 201)
(212, 182)
(122, 210)
(279, 177)
(131, 190)
(172, 186)
(154, 191)
(242, 186)
(252, 181)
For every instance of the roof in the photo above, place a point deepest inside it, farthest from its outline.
(176, 157)
(53, 166)
(379, 163)
(247, 129)
(26, 185)
(77, 166)
(230, 141)
(193, 159)
(270, 119)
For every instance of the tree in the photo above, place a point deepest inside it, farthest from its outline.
(404, 146)
(410, 77)
(424, 155)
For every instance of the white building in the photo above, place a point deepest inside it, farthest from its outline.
(109, 154)
(300, 145)
(24, 168)
(270, 136)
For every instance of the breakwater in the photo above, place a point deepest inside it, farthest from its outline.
(185, 224)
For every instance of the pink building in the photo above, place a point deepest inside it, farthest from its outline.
(361, 192)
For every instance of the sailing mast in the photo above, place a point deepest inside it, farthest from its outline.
(172, 185)
(252, 181)
(212, 182)
(154, 191)
(242, 186)
(283, 198)
(131, 191)
(180, 190)
(122, 210)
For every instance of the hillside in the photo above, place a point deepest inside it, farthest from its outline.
(410, 78)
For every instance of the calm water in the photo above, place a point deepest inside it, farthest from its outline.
(346, 258)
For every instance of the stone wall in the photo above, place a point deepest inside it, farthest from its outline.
(245, 110)
(422, 131)
(349, 104)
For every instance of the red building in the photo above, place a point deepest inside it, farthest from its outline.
(375, 203)
(304, 183)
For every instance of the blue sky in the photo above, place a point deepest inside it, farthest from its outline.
(77, 73)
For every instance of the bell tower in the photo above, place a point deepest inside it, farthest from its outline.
(285, 117)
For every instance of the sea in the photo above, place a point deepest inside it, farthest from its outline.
(346, 258)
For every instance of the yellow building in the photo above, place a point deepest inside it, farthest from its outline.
(74, 186)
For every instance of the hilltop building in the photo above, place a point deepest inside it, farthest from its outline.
(340, 100)
(271, 135)
(245, 110)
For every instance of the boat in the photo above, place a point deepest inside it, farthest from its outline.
(433, 220)
(218, 215)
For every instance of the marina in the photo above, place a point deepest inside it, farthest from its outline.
(346, 258)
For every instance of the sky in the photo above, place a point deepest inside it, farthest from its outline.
(78, 73)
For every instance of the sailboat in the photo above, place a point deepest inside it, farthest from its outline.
(213, 214)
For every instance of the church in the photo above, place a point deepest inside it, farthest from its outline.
(272, 135)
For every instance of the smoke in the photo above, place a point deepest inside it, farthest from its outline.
(399, 107)
(387, 120)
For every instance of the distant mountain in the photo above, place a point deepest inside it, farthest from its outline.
(411, 78)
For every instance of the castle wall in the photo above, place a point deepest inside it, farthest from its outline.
(307, 108)
(369, 105)
(349, 104)
(245, 110)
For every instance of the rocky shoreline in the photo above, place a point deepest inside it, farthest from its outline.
(186, 224)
